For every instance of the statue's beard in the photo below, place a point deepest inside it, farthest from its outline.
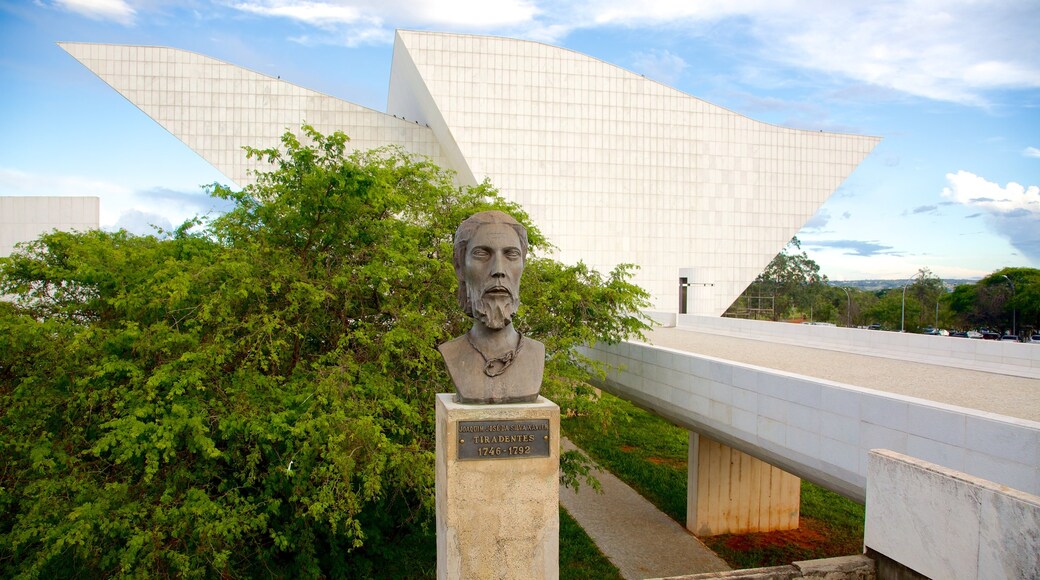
(494, 310)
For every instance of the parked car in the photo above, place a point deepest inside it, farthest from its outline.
(959, 333)
(974, 334)
(1009, 338)
(1035, 339)
(989, 335)
(874, 326)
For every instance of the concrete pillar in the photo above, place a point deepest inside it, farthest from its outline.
(498, 490)
(730, 492)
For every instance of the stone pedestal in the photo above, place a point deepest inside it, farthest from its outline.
(730, 492)
(498, 490)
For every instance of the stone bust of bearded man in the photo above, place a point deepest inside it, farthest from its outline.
(492, 363)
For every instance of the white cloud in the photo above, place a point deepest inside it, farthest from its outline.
(320, 14)
(643, 12)
(969, 189)
(119, 204)
(659, 65)
(1012, 211)
(142, 222)
(115, 10)
(366, 21)
(17, 182)
(469, 13)
(818, 221)
(348, 23)
(1031, 152)
(950, 50)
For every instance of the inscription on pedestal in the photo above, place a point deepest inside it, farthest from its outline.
(503, 439)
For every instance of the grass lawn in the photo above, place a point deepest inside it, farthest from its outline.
(579, 556)
(649, 454)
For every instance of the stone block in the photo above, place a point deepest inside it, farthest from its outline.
(498, 516)
(943, 523)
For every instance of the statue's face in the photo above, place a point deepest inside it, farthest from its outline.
(492, 269)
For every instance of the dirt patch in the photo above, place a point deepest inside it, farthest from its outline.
(674, 463)
(628, 448)
(813, 539)
(802, 538)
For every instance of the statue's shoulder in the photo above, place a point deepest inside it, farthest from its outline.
(454, 345)
(535, 346)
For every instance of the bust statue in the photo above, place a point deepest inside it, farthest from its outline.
(492, 363)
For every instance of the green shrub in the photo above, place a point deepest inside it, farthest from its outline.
(253, 394)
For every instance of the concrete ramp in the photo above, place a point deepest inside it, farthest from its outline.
(822, 430)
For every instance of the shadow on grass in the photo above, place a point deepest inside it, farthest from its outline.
(650, 455)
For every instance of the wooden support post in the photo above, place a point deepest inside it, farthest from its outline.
(731, 492)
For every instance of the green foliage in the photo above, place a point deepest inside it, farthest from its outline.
(580, 558)
(921, 303)
(650, 454)
(639, 448)
(848, 306)
(1007, 300)
(792, 285)
(887, 310)
(845, 516)
(253, 395)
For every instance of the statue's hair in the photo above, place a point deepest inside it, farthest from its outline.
(465, 232)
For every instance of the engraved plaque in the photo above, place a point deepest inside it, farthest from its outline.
(503, 439)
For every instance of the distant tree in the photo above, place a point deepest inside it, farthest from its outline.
(794, 282)
(969, 311)
(845, 306)
(923, 293)
(927, 291)
(253, 395)
(1006, 299)
(887, 310)
(862, 303)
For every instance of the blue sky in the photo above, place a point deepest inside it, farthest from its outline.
(952, 87)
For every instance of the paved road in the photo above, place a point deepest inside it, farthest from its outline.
(1006, 395)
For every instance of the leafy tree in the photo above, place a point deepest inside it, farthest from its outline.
(853, 309)
(924, 292)
(794, 282)
(1006, 300)
(963, 301)
(253, 394)
(842, 306)
(887, 310)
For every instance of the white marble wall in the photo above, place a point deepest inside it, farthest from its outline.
(1012, 358)
(944, 523)
(24, 218)
(216, 108)
(819, 430)
(616, 167)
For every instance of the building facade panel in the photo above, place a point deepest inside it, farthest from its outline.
(618, 168)
(216, 108)
(25, 218)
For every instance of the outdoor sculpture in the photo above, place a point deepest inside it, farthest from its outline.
(492, 363)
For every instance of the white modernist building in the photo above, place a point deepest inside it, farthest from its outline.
(25, 218)
(613, 167)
